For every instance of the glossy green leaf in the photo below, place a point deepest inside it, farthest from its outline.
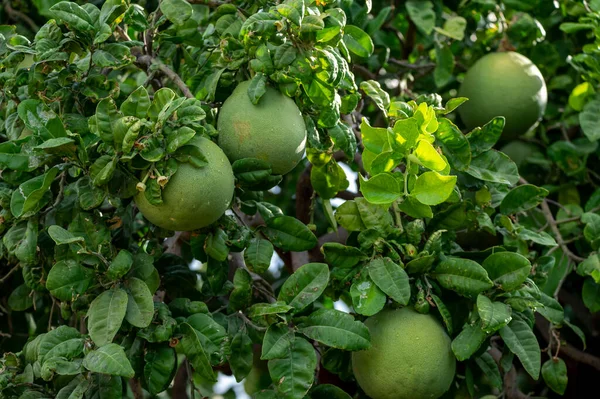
(304, 286)
(176, 11)
(293, 374)
(160, 365)
(277, 342)
(432, 188)
(468, 341)
(591, 295)
(289, 234)
(482, 139)
(554, 372)
(391, 279)
(495, 167)
(521, 340)
(464, 276)
(68, 279)
(258, 254)
(380, 189)
(357, 41)
(508, 270)
(367, 298)
(454, 144)
(73, 15)
(106, 314)
(422, 14)
(191, 346)
(522, 198)
(494, 315)
(109, 359)
(140, 306)
(337, 330)
(32, 194)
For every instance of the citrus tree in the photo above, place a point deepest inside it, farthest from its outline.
(321, 198)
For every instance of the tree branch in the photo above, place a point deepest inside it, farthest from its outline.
(408, 65)
(554, 227)
(136, 388)
(566, 349)
(11, 271)
(16, 15)
(146, 61)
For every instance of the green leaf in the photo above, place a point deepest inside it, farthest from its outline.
(293, 375)
(176, 11)
(73, 15)
(494, 315)
(160, 365)
(521, 340)
(257, 87)
(104, 386)
(68, 279)
(103, 169)
(589, 119)
(482, 139)
(552, 310)
(258, 254)
(241, 296)
(381, 98)
(32, 194)
(191, 346)
(413, 208)
(63, 341)
(495, 167)
(20, 299)
(488, 365)
(304, 286)
(428, 157)
(357, 41)
(106, 119)
(284, 55)
(120, 265)
(75, 389)
(590, 267)
(367, 298)
(541, 237)
(464, 276)
(140, 306)
(391, 279)
(216, 245)
(591, 295)
(327, 391)
(62, 236)
(348, 216)
(380, 189)
(337, 330)
(338, 255)
(455, 145)
(106, 314)
(454, 28)
(522, 198)
(444, 69)
(241, 355)
(21, 240)
(289, 234)
(508, 270)
(109, 359)
(277, 341)
(554, 372)
(212, 335)
(328, 180)
(432, 188)
(422, 14)
(137, 104)
(259, 310)
(468, 341)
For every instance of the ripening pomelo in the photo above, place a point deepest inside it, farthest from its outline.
(193, 197)
(410, 357)
(273, 130)
(504, 84)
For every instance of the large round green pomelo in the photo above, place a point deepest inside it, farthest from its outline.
(193, 197)
(273, 130)
(410, 357)
(504, 84)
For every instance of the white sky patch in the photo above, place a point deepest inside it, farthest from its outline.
(226, 382)
(352, 187)
(341, 306)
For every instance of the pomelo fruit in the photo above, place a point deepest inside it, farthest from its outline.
(193, 197)
(273, 130)
(504, 84)
(410, 357)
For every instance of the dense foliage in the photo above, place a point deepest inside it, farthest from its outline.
(101, 105)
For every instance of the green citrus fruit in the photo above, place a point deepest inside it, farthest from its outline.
(504, 84)
(409, 358)
(193, 197)
(273, 130)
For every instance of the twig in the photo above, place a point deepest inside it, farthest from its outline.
(363, 72)
(553, 226)
(249, 322)
(408, 65)
(511, 388)
(16, 14)
(11, 271)
(210, 3)
(146, 61)
(568, 350)
(136, 388)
